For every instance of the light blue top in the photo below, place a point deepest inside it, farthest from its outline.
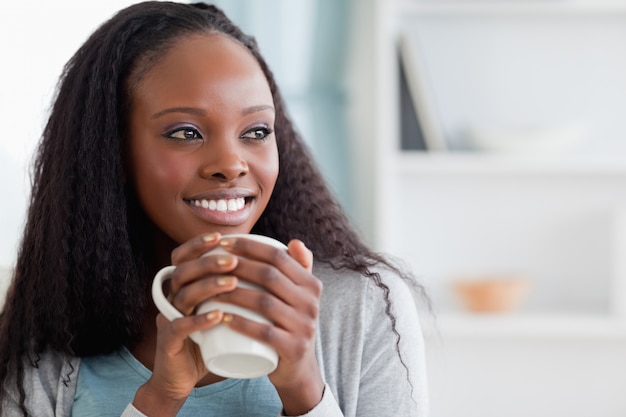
(107, 383)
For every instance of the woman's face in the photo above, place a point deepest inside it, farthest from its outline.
(203, 155)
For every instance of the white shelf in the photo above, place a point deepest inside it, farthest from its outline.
(552, 216)
(560, 220)
(546, 7)
(418, 162)
(518, 325)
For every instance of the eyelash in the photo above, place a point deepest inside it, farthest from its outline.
(266, 131)
(184, 130)
(195, 135)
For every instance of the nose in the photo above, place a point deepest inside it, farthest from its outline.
(223, 161)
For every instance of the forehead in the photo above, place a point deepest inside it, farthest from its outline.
(204, 63)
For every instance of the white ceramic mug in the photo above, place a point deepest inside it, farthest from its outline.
(224, 351)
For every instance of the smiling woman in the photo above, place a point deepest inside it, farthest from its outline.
(167, 132)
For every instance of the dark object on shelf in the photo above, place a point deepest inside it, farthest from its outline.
(424, 131)
(411, 134)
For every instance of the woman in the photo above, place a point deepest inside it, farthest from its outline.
(168, 131)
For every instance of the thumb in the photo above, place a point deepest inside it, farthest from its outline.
(298, 251)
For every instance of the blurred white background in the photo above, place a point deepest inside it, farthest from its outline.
(511, 71)
(36, 40)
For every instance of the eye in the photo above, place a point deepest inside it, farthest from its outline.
(183, 134)
(257, 133)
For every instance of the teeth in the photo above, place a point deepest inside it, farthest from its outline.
(232, 204)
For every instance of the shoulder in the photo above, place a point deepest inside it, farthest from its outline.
(353, 303)
(50, 365)
(49, 381)
(351, 290)
(370, 344)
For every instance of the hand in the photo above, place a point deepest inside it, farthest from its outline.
(178, 365)
(291, 304)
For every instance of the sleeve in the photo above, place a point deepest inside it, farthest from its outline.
(393, 378)
(370, 347)
(131, 411)
(327, 407)
(49, 387)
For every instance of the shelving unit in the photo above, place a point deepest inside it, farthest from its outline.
(473, 163)
(426, 207)
(417, 7)
(559, 219)
(526, 327)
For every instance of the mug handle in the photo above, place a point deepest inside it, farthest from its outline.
(162, 303)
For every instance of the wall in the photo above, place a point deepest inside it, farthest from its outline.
(520, 377)
(37, 38)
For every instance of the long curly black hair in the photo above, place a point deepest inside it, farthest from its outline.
(81, 265)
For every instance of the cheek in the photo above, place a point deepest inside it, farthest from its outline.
(269, 170)
(157, 172)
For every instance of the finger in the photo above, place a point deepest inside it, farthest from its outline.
(181, 328)
(300, 288)
(271, 255)
(194, 248)
(285, 345)
(190, 296)
(269, 278)
(200, 268)
(281, 313)
(298, 251)
(254, 250)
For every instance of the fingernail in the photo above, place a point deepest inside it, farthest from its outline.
(224, 260)
(212, 315)
(227, 318)
(227, 242)
(225, 281)
(211, 237)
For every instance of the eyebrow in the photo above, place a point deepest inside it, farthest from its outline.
(199, 112)
(188, 110)
(254, 109)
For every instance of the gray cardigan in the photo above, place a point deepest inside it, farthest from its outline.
(355, 346)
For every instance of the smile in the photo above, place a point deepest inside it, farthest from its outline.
(223, 205)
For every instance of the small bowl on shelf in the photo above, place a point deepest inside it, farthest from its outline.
(491, 295)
